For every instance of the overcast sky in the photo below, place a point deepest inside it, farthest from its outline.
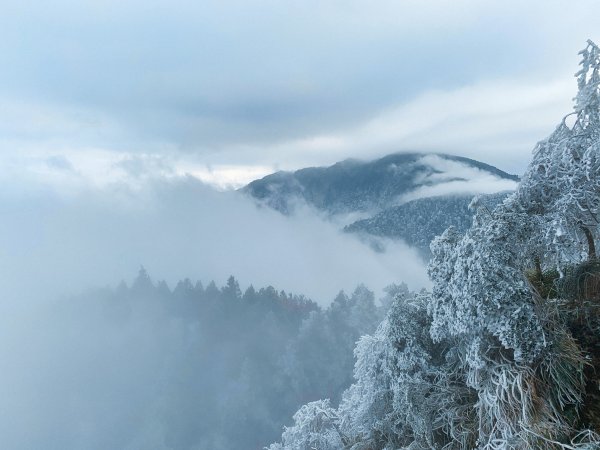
(231, 90)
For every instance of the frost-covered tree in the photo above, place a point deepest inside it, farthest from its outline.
(513, 347)
(401, 391)
(484, 361)
(562, 185)
(319, 360)
(315, 427)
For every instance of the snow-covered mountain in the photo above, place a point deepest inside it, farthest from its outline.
(409, 196)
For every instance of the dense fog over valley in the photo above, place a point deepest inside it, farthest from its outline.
(91, 363)
(182, 228)
(145, 367)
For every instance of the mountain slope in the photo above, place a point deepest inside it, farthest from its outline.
(371, 186)
(409, 196)
(418, 221)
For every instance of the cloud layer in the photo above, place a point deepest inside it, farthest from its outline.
(56, 244)
(251, 84)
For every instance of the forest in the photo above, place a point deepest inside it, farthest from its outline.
(143, 365)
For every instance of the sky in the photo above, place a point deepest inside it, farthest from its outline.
(93, 92)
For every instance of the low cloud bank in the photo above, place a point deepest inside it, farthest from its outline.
(55, 245)
(92, 371)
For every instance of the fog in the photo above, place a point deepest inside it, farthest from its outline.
(457, 178)
(160, 366)
(57, 243)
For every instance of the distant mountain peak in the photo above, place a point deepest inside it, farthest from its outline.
(354, 185)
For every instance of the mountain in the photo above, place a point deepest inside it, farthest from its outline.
(418, 221)
(370, 186)
(408, 196)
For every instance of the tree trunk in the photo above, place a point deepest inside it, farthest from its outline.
(590, 241)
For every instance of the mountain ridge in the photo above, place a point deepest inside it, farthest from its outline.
(407, 196)
(356, 185)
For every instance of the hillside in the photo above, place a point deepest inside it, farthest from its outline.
(409, 196)
(418, 222)
(370, 186)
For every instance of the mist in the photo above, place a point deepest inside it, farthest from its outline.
(55, 243)
(92, 362)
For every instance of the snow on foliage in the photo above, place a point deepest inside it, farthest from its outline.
(562, 185)
(484, 361)
(315, 427)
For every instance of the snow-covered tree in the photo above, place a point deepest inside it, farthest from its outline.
(562, 185)
(484, 361)
(315, 427)
(395, 401)
(513, 347)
